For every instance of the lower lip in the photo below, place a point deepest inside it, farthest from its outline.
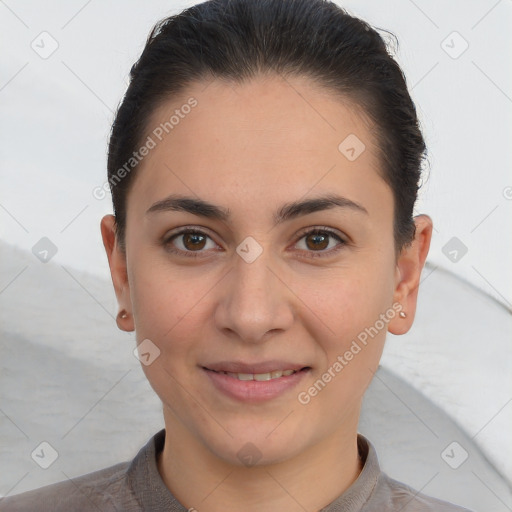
(254, 391)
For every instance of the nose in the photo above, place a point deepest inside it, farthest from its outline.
(255, 300)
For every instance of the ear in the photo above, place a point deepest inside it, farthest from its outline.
(117, 263)
(408, 272)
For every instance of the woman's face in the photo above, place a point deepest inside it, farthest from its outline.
(252, 292)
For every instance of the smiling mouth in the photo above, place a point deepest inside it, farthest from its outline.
(275, 374)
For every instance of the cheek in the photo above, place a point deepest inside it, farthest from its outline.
(168, 310)
(172, 308)
(164, 306)
(161, 295)
(350, 338)
(349, 301)
(354, 306)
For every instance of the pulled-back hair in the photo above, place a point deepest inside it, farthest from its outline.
(239, 39)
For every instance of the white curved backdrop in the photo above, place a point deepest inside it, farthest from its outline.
(64, 68)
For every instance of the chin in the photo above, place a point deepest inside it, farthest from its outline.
(257, 446)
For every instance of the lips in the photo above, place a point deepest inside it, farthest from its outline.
(256, 382)
(274, 374)
(254, 368)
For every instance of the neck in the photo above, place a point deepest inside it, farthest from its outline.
(200, 480)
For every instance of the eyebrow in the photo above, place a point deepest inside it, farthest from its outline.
(288, 211)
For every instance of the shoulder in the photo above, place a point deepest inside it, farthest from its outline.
(375, 491)
(106, 489)
(391, 494)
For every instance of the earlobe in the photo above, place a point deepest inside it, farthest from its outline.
(410, 264)
(117, 263)
(125, 321)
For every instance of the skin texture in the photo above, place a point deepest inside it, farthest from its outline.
(251, 148)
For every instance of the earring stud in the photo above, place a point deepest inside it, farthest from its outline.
(402, 314)
(123, 314)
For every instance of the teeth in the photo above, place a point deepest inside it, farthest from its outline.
(276, 374)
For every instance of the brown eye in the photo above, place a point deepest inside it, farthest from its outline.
(317, 242)
(193, 241)
(189, 242)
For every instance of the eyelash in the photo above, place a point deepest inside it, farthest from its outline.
(313, 254)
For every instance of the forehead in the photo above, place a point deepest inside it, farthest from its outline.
(270, 135)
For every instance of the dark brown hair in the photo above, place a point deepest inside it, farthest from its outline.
(238, 39)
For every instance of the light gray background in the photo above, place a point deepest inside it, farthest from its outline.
(55, 115)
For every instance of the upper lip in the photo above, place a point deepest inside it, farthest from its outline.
(261, 367)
